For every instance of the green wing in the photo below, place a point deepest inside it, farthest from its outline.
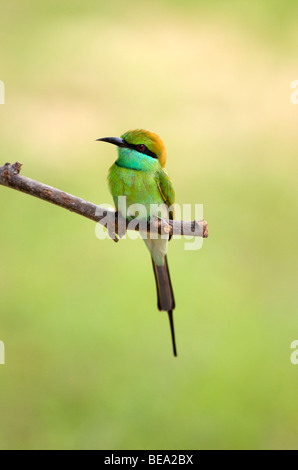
(166, 190)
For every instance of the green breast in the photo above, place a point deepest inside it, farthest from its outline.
(139, 187)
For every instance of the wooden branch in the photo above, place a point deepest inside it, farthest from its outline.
(116, 224)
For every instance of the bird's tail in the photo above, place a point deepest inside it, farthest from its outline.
(165, 295)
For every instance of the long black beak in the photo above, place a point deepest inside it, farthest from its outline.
(113, 140)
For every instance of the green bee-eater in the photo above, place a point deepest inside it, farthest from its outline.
(139, 175)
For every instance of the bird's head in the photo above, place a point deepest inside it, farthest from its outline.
(139, 145)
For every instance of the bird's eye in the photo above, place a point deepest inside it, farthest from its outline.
(141, 147)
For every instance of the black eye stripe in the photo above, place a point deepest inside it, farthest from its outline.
(146, 151)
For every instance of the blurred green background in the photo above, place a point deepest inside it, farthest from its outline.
(88, 356)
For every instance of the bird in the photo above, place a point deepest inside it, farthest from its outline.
(139, 174)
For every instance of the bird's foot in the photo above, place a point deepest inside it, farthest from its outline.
(161, 226)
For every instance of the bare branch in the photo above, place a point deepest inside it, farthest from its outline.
(10, 177)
